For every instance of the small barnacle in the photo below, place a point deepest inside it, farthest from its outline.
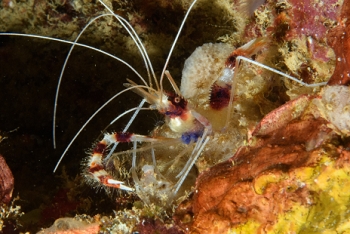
(329, 106)
(346, 108)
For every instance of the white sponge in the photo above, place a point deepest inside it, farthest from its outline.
(202, 69)
(336, 101)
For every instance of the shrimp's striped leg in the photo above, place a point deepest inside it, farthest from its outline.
(96, 167)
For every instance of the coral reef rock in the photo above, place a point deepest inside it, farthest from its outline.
(275, 184)
(71, 226)
(6, 182)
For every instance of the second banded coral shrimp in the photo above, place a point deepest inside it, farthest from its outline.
(203, 126)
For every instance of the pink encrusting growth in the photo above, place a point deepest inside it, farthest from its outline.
(312, 18)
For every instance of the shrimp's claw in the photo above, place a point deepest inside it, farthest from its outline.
(221, 94)
(108, 181)
(96, 171)
(247, 50)
(100, 174)
(117, 184)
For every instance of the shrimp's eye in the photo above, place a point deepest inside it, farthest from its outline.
(177, 101)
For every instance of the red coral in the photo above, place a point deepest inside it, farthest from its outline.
(312, 18)
(6, 182)
(339, 40)
(224, 194)
(150, 226)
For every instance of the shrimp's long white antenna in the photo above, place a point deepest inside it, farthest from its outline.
(232, 74)
(143, 52)
(278, 72)
(173, 45)
(92, 116)
(138, 43)
(78, 44)
(88, 47)
(61, 75)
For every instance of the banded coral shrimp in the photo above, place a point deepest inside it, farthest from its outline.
(162, 130)
(182, 122)
(32, 87)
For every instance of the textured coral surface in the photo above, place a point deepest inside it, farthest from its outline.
(339, 40)
(270, 179)
(71, 226)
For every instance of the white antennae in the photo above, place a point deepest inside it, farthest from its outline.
(91, 117)
(61, 75)
(234, 81)
(138, 43)
(174, 43)
(278, 72)
(81, 45)
(142, 51)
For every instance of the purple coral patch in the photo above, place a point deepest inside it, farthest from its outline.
(310, 18)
